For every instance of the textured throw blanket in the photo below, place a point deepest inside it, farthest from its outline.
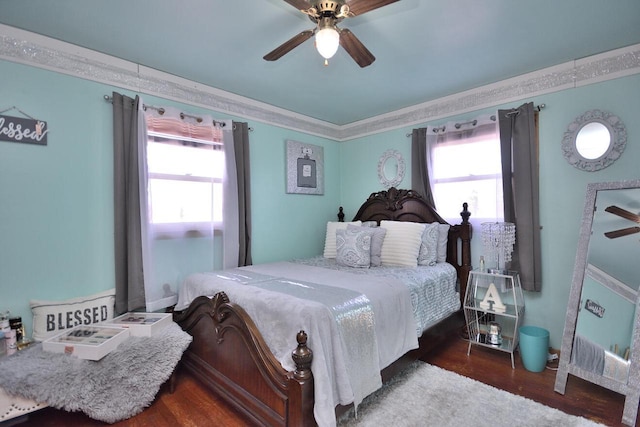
(115, 388)
(352, 314)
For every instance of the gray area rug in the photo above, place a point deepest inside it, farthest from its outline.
(426, 395)
(115, 388)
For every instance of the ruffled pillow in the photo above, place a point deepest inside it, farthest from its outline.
(353, 246)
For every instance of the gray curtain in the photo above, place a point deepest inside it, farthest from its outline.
(241, 146)
(520, 183)
(127, 232)
(419, 172)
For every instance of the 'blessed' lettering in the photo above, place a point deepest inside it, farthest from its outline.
(15, 131)
(71, 319)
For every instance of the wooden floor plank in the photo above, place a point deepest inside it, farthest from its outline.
(191, 405)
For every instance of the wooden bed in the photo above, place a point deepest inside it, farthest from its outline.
(229, 355)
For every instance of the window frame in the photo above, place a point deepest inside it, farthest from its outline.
(497, 197)
(186, 229)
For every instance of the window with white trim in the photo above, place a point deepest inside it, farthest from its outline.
(467, 168)
(185, 175)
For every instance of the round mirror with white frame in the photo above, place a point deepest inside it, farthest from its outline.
(594, 140)
(391, 168)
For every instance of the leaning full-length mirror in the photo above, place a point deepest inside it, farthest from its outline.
(601, 341)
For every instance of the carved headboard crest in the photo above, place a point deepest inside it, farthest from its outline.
(397, 205)
(394, 198)
(408, 205)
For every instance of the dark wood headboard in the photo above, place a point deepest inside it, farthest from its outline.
(409, 206)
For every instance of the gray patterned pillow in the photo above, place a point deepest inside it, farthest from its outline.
(353, 247)
(428, 254)
(376, 242)
(443, 238)
(373, 224)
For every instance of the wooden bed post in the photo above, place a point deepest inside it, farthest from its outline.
(300, 411)
(465, 237)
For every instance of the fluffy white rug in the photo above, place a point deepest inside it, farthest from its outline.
(427, 395)
(117, 387)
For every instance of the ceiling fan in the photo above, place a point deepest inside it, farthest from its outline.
(626, 215)
(326, 15)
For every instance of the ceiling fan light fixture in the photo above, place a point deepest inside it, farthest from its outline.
(327, 42)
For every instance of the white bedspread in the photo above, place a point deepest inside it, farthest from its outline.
(395, 326)
(432, 288)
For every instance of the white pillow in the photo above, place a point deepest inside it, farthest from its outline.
(52, 317)
(443, 238)
(330, 238)
(428, 253)
(401, 244)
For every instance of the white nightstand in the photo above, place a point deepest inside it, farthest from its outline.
(493, 309)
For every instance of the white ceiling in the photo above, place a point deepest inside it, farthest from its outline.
(425, 50)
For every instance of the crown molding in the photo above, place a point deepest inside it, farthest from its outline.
(593, 69)
(43, 52)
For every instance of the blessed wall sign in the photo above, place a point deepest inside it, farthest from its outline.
(18, 129)
(594, 308)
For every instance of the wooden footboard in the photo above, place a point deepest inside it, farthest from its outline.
(229, 355)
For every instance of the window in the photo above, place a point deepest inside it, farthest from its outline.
(184, 182)
(466, 167)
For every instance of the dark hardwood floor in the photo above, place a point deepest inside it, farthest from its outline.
(192, 405)
(494, 368)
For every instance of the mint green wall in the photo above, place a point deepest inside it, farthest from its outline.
(562, 187)
(56, 201)
(56, 205)
(289, 225)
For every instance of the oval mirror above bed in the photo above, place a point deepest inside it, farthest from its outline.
(391, 169)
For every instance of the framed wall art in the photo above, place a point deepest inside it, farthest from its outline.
(305, 168)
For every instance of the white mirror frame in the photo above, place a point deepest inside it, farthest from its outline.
(394, 181)
(617, 143)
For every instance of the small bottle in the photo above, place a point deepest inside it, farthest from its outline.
(482, 264)
(15, 323)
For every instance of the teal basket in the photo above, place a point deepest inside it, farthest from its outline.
(534, 348)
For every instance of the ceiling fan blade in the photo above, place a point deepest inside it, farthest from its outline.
(356, 49)
(623, 213)
(358, 7)
(287, 46)
(622, 232)
(299, 4)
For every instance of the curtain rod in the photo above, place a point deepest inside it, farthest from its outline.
(474, 122)
(161, 111)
